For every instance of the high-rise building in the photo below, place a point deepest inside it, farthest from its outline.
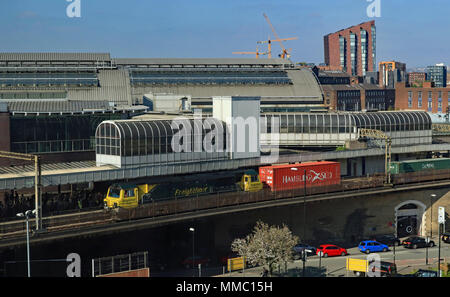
(352, 49)
(391, 73)
(438, 75)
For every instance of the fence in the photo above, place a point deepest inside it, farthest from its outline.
(119, 263)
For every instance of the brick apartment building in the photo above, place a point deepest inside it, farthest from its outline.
(353, 49)
(427, 98)
(416, 79)
(357, 97)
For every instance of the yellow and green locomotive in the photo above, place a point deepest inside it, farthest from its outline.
(129, 195)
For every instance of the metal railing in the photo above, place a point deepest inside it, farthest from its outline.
(53, 146)
(119, 263)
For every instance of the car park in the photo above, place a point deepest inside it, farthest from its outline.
(417, 242)
(326, 250)
(372, 246)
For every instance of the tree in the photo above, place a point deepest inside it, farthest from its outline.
(266, 246)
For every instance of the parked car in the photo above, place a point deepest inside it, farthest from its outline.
(416, 242)
(388, 239)
(189, 261)
(425, 273)
(331, 250)
(372, 246)
(299, 248)
(446, 237)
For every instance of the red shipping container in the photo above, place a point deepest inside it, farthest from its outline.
(292, 176)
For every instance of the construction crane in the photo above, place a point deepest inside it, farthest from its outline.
(377, 134)
(37, 181)
(257, 53)
(269, 44)
(284, 54)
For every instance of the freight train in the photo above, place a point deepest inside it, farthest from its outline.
(128, 195)
(276, 177)
(419, 165)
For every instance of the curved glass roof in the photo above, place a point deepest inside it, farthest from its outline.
(137, 138)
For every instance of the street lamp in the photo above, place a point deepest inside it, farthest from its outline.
(193, 250)
(27, 216)
(432, 196)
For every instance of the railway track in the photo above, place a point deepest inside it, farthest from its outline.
(81, 220)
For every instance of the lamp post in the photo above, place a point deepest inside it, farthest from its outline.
(431, 214)
(193, 250)
(395, 239)
(439, 251)
(27, 216)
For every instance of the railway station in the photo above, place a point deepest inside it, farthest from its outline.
(98, 124)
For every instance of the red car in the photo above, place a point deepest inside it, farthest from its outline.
(331, 250)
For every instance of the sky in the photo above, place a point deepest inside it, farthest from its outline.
(410, 31)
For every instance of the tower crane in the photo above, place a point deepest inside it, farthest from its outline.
(284, 54)
(257, 53)
(269, 44)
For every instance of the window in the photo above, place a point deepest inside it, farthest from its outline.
(410, 99)
(419, 103)
(129, 193)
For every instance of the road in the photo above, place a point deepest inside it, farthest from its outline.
(406, 260)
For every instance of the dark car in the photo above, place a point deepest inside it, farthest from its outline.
(299, 248)
(388, 239)
(387, 269)
(425, 273)
(417, 242)
(446, 237)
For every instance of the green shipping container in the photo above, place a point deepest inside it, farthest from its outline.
(420, 165)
